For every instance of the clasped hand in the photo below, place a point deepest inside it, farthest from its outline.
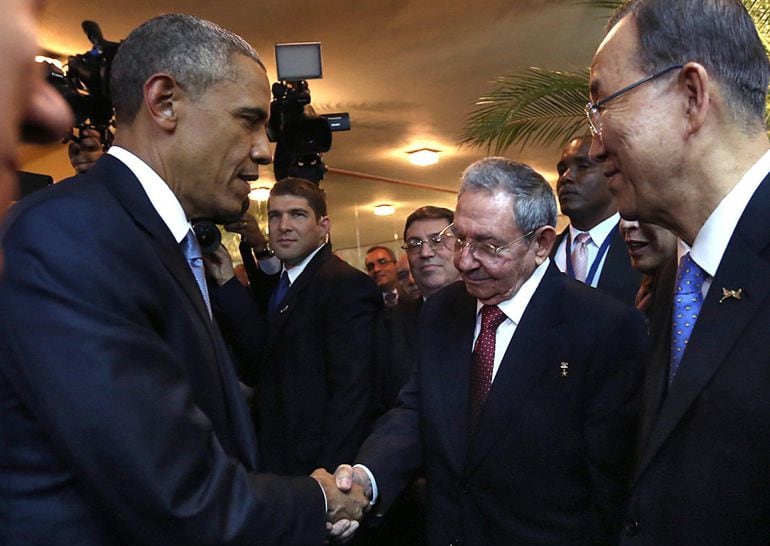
(348, 494)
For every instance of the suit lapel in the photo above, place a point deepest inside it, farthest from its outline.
(525, 360)
(454, 360)
(719, 325)
(128, 191)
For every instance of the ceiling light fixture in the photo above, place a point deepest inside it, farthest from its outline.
(423, 157)
(384, 210)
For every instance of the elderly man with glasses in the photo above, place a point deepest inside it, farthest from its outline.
(684, 143)
(523, 406)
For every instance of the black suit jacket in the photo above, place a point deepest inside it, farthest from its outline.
(617, 277)
(122, 418)
(703, 475)
(314, 375)
(549, 460)
(397, 343)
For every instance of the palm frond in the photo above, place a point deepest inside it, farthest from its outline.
(537, 106)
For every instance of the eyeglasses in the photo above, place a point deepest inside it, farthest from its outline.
(593, 109)
(414, 246)
(483, 252)
(381, 262)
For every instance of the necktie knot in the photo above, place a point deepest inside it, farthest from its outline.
(689, 277)
(583, 238)
(491, 317)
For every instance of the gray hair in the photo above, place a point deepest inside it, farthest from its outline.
(196, 53)
(719, 34)
(534, 204)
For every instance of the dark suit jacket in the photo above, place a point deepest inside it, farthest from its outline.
(617, 277)
(122, 418)
(396, 350)
(314, 376)
(550, 457)
(704, 465)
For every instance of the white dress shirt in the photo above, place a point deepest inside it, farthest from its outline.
(711, 241)
(598, 234)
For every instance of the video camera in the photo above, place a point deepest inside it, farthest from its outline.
(300, 135)
(86, 84)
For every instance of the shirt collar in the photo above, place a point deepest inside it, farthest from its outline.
(712, 239)
(160, 195)
(600, 231)
(297, 270)
(514, 307)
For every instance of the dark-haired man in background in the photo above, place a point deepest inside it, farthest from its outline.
(591, 249)
(380, 262)
(313, 372)
(677, 108)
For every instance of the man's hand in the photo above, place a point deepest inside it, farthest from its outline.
(219, 265)
(351, 504)
(84, 153)
(249, 231)
(345, 476)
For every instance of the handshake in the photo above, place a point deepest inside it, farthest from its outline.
(348, 494)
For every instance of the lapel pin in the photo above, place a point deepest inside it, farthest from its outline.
(285, 308)
(727, 294)
(564, 368)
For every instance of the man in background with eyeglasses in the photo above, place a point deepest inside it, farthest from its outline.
(678, 93)
(591, 249)
(523, 407)
(380, 262)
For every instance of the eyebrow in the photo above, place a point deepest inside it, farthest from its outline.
(251, 112)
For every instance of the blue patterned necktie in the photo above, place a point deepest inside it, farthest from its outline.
(280, 292)
(192, 251)
(688, 299)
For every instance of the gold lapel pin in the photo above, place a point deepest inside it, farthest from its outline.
(564, 368)
(727, 294)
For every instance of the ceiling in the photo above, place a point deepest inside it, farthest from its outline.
(407, 71)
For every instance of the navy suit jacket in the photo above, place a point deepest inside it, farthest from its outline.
(122, 418)
(550, 457)
(617, 277)
(703, 472)
(314, 374)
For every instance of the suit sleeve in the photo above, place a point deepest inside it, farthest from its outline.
(82, 314)
(349, 331)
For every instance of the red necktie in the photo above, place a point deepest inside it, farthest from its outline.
(483, 358)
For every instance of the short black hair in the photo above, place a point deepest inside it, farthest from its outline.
(299, 187)
(429, 212)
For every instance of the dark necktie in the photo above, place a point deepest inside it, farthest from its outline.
(688, 299)
(280, 292)
(483, 358)
(192, 251)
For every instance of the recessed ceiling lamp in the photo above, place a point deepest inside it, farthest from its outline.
(384, 210)
(423, 157)
(259, 194)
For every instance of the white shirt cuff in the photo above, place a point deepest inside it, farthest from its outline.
(375, 491)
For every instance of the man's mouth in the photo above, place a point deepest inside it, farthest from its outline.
(636, 247)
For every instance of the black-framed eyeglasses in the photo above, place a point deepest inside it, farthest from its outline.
(593, 109)
(414, 245)
(484, 252)
(379, 261)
